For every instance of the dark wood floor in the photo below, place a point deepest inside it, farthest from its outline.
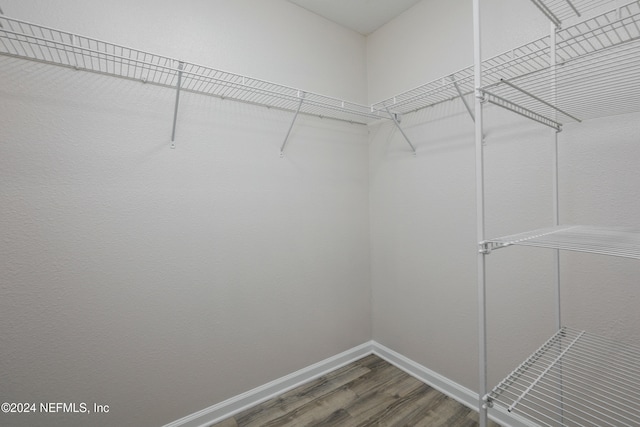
(368, 392)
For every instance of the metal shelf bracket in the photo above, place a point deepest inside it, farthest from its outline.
(396, 120)
(295, 116)
(504, 103)
(484, 248)
(488, 401)
(175, 110)
(548, 13)
(487, 247)
(537, 98)
(464, 101)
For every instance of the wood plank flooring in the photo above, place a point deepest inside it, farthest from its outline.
(368, 392)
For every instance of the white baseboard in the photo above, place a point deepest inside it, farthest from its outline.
(444, 385)
(234, 405)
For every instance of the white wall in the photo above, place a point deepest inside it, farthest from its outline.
(423, 207)
(160, 281)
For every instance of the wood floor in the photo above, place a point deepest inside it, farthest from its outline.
(368, 392)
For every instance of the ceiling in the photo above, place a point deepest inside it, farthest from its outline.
(363, 16)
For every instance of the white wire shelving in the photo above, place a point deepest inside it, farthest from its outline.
(595, 75)
(574, 379)
(38, 43)
(613, 241)
(583, 71)
(597, 57)
(528, 58)
(557, 11)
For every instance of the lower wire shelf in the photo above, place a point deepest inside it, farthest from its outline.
(614, 241)
(574, 379)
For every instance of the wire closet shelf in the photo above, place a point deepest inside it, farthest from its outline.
(598, 61)
(534, 57)
(613, 241)
(530, 57)
(574, 379)
(557, 11)
(38, 43)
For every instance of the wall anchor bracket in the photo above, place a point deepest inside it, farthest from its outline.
(484, 248)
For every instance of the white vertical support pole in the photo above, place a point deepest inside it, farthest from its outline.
(175, 109)
(482, 305)
(556, 208)
(556, 197)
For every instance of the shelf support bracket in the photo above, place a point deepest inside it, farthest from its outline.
(485, 248)
(286, 138)
(464, 101)
(501, 102)
(394, 117)
(575, 10)
(548, 13)
(175, 109)
(537, 98)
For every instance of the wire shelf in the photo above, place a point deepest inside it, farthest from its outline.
(607, 30)
(530, 57)
(558, 11)
(575, 379)
(432, 93)
(599, 61)
(35, 42)
(614, 241)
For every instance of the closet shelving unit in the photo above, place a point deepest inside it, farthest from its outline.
(575, 378)
(34, 42)
(25, 40)
(528, 58)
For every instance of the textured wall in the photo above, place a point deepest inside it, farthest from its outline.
(423, 208)
(160, 281)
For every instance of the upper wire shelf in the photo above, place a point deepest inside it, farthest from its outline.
(574, 379)
(35, 42)
(528, 58)
(613, 241)
(558, 11)
(598, 62)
